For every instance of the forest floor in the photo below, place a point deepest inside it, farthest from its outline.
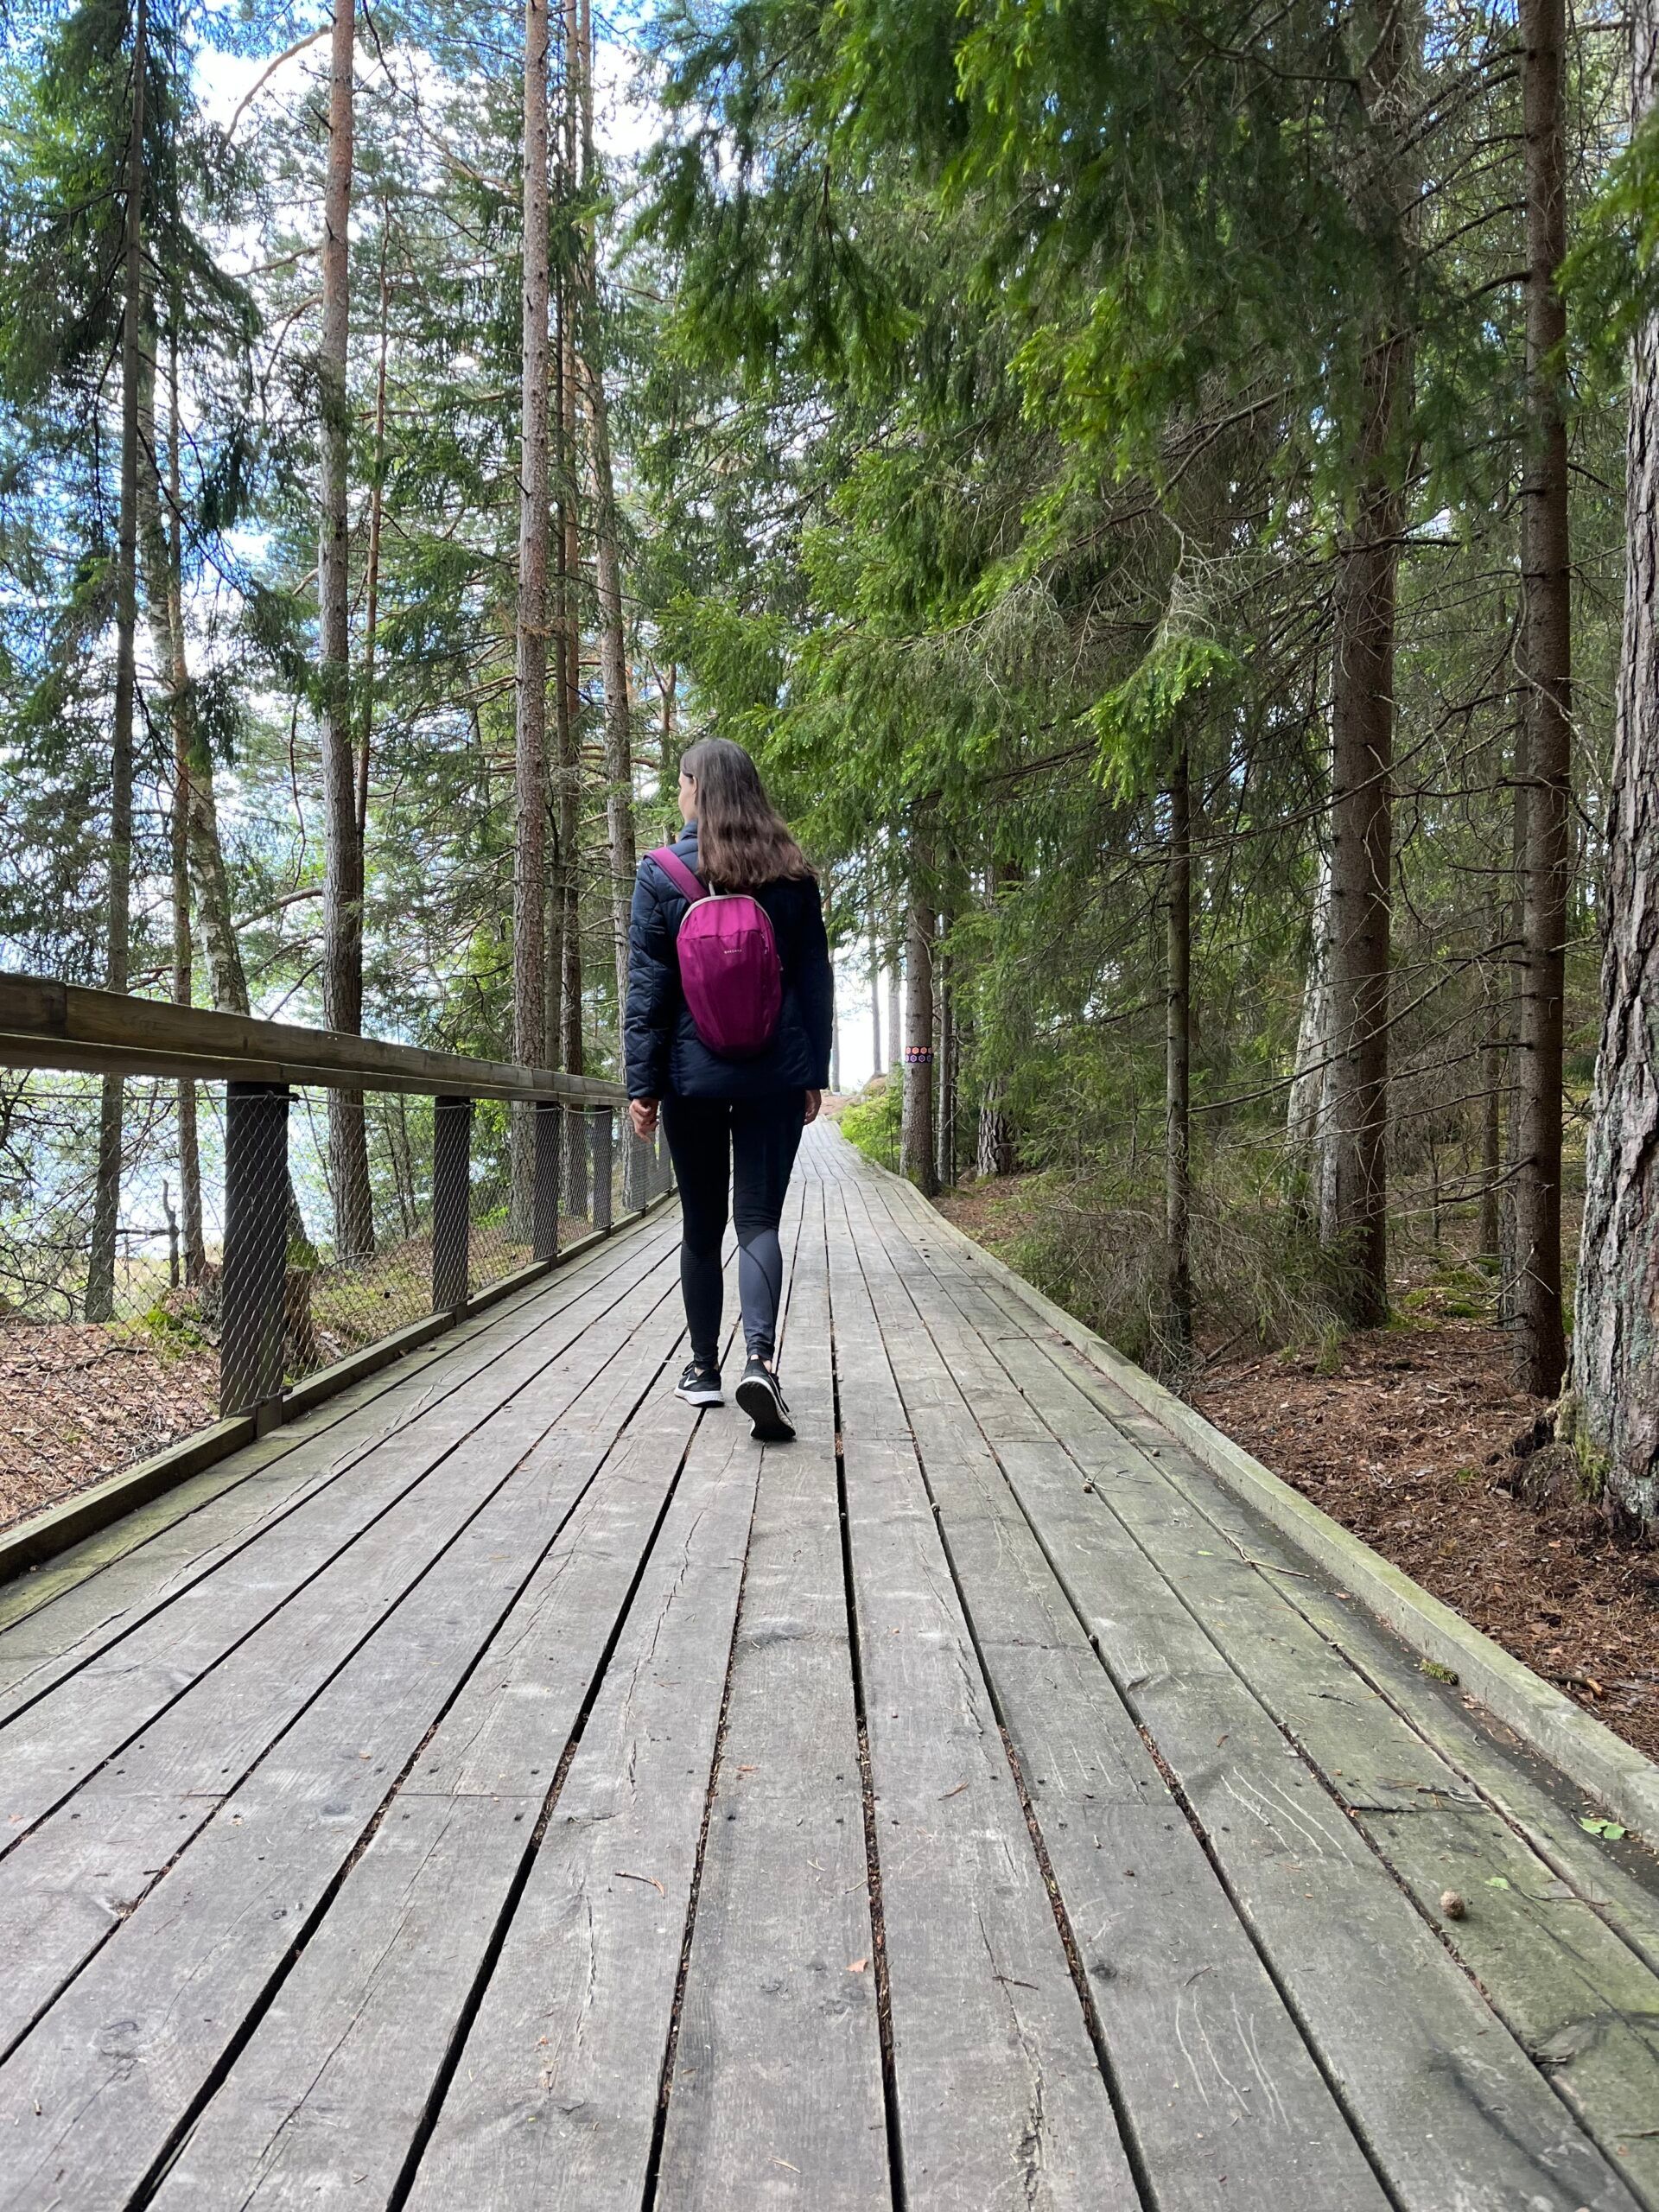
(1406, 1435)
(78, 1403)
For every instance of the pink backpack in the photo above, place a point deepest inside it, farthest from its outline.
(729, 969)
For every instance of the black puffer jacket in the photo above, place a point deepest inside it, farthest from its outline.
(665, 1052)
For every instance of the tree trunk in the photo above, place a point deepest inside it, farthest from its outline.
(1616, 1341)
(895, 1010)
(877, 1064)
(377, 515)
(945, 1048)
(1491, 1104)
(195, 1246)
(342, 895)
(996, 1152)
(608, 562)
(530, 746)
(575, 1177)
(916, 1148)
(1308, 1120)
(161, 552)
(1354, 1226)
(106, 1199)
(1178, 1062)
(1540, 1337)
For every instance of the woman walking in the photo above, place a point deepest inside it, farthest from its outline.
(730, 1001)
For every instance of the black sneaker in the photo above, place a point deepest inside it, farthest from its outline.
(760, 1398)
(700, 1384)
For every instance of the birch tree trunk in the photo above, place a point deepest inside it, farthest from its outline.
(1616, 1341)
(1540, 1337)
(342, 895)
(1307, 1119)
(106, 1197)
(529, 733)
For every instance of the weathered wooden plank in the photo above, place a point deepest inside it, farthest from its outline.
(329, 2098)
(1437, 2087)
(1212, 2074)
(777, 2097)
(1618, 1881)
(555, 2099)
(203, 1948)
(554, 2102)
(322, 2106)
(1571, 1994)
(82, 1601)
(1506, 1773)
(433, 1465)
(974, 1958)
(202, 1746)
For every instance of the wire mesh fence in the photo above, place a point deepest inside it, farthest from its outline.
(118, 1332)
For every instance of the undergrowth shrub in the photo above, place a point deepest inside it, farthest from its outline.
(872, 1123)
(1096, 1249)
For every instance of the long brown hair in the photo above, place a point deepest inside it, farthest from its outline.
(742, 840)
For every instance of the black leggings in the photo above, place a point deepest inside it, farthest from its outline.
(746, 1147)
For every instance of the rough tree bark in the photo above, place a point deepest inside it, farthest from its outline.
(530, 734)
(106, 1197)
(1178, 1062)
(1616, 1341)
(342, 895)
(1539, 1335)
(1354, 1226)
(916, 1145)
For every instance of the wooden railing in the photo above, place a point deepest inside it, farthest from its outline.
(51, 1026)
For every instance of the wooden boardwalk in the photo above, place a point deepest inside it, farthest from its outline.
(508, 1790)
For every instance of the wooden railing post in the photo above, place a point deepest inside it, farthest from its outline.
(602, 1162)
(544, 1226)
(452, 1149)
(255, 1270)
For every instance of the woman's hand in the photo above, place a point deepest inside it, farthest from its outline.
(642, 1112)
(814, 1102)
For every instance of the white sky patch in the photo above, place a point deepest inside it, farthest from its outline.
(627, 117)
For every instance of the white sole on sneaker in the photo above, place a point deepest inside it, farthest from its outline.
(699, 1397)
(762, 1402)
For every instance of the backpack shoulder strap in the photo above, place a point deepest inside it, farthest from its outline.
(679, 875)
